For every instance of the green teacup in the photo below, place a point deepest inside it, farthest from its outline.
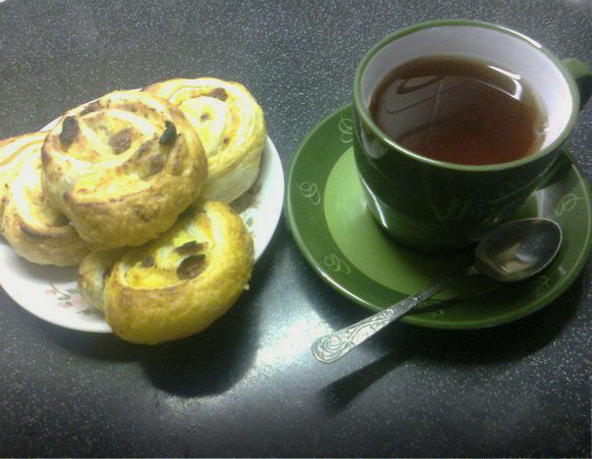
(435, 205)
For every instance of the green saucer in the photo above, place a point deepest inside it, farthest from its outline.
(339, 238)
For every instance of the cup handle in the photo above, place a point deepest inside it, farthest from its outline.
(582, 74)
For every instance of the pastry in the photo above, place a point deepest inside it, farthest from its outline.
(12, 152)
(92, 274)
(31, 226)
(231, 126)
(177, 284)
(122, 168)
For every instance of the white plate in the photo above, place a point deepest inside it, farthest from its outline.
(51, 293)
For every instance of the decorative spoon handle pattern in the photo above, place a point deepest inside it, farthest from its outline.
(333, 346)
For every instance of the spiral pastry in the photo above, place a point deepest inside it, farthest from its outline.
(12, 153)
(231, 126)
(34, 229)
(93, 273)
(176, 285)
(122, 168)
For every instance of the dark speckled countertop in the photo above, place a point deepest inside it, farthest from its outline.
(249, 386)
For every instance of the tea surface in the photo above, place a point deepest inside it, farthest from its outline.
(459, 110)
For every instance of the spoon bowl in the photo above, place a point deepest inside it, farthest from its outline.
(518, 250)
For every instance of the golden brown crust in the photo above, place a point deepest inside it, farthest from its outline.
(32, 227)
(92, 274)
(12, 151)
(232, 128)
(123, 167)
(178, 284)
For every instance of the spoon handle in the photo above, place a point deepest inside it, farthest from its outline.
(331, 347)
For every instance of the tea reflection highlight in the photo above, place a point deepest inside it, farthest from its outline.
(459, 110)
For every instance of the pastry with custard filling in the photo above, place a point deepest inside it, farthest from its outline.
(231, 126)
(12, 151)
(177, 284)
(122, 168)
(33, 228)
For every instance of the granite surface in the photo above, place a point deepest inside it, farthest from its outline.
(249, 386)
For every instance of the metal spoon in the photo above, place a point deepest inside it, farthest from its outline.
(509, 253)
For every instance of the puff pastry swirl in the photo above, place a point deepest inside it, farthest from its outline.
(32, 227)
(123, 167)
(231, 126)
(176, 285)
(12, 152)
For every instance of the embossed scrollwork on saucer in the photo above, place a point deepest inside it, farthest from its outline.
(566, 204)
(541, 284)
(346, 129)
(310, 190)
(336, 264)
